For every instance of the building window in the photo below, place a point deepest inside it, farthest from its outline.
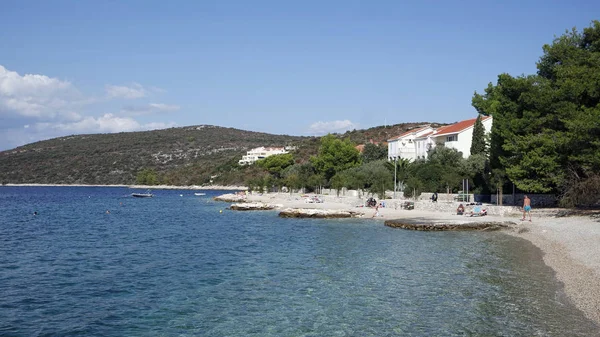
(452, 138)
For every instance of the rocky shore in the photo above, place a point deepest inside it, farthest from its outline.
(431, 225)
(253, 206)
(318, 213)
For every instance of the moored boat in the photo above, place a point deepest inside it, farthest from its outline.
(142, 195)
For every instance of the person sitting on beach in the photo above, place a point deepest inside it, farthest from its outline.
(477, 211)
(376, 211)
(460, 210)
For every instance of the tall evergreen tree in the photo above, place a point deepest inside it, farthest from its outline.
(478, 144)
(546, 131)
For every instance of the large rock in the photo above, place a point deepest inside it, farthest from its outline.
(253, 206)
(230, 197)
(424, 225)
(318, 213)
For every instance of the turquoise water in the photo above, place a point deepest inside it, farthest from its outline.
(174, 265)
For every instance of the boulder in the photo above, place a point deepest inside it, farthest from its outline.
(423, 225)
(253, 206)
(230, 197)
(318, 213)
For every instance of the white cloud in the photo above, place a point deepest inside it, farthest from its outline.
(107, 123)
(36, 96)
(37, 107)
(152, 108)
(135, 90)
(321, 128)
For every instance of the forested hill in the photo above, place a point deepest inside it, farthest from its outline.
(180, 156)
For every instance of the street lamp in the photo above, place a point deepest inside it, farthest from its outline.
(395, 168)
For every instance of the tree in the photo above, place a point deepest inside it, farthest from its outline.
(335, 155)
(546, 131)
(299, 176)
(372, 152)
(403, 170)
(378, 177)
(147, 176)
(478, 144)
(339, 181)
(276, 163)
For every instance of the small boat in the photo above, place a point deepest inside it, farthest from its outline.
(143, 195)
(199, 193)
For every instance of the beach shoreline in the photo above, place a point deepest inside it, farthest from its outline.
(569, 244)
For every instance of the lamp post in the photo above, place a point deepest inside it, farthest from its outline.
(395, 168)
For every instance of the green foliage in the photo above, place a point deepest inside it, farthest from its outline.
(546, 130)
(478, 144)
(445, 156)
(372, 152)
(147, 176)
(335, 155)
(299, 176)
(378, 178)
(276, 163)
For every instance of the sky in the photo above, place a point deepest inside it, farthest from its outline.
(282, 67)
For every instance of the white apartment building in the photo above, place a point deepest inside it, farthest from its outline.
(260, 153)
(416, 143)
(403, 146)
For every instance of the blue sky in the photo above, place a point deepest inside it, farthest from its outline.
(298, 68)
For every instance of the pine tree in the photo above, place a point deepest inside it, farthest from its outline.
(478, 141)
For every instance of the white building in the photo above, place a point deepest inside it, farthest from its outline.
(403, 146)
(260, 153)
(460, 135)
(416, 143)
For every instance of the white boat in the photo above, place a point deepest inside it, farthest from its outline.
(143, 195)
(199, 193)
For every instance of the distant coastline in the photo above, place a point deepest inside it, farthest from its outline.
(152, 187)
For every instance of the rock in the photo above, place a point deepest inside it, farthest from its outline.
(230, 197)
(253, 206)
(423, 225)
(318, 213)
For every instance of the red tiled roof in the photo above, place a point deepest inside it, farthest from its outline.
(411, 131)
(458, 127)
(425, 135)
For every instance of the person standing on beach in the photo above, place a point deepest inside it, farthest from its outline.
(526, 208)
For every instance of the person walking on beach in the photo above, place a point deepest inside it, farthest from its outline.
(526, 208)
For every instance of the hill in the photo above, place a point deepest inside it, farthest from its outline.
(192, 155)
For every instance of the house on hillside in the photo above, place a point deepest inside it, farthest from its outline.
(260, 153)
(403, 146)
(457, 136)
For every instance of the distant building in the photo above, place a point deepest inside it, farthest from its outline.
(262, 152)
(416, 143)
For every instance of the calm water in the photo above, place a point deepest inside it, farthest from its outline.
(175, 265)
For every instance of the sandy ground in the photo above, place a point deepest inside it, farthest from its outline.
(571, 245)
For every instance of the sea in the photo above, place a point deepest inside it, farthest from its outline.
(179, 264)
